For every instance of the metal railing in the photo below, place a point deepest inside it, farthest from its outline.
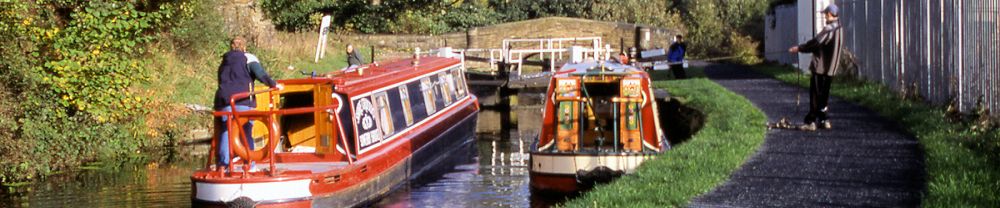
(268, 117)
(554, 50)
(942, 50)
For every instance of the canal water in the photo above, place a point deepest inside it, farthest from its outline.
(492, 174)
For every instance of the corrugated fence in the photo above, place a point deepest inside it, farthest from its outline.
(942, 49)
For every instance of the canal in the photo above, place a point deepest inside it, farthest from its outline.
(492, 173)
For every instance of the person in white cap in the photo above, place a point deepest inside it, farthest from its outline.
(826, 49)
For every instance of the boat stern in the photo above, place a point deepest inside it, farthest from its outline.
(571, 172)
(283, 193)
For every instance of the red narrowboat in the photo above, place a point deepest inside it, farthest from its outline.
(343, 140)
(600, 121)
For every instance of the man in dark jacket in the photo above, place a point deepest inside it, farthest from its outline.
(354, 58)
(236, 75)
(676, 57)
(826, 49)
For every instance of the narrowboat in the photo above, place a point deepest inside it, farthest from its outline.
(600, 121)
(342, 140)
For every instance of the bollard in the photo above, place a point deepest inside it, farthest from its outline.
(416, 56)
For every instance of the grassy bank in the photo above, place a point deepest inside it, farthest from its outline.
(104, 81)
(960, 156)
(733, 130)
(189, 77)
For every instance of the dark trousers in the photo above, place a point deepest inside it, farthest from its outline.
(819, 97)
(678, 70)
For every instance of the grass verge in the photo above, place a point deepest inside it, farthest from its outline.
(298, 50)
(733, 131)
(961, 173)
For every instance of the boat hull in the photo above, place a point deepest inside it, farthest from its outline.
(572, 172)
(423, 159)
(307, 192)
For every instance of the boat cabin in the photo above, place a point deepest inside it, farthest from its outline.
(600, 107)
(381, 105)
(344, 139)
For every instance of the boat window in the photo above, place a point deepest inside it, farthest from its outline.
(404, 98)
(417, 101)
(447, 91)
(460, 86)
(437, 93)
(385, 113)
(428, 91)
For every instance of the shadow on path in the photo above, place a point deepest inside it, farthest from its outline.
(865, 160)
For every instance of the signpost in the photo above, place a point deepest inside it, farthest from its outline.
(324, 29)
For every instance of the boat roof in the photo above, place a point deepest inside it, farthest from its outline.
(372, 77)
(592, 67)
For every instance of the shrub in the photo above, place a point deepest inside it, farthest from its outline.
(197, 30)
(417, 22)
(470, 15)
(744, 49)
(704, 28)
(293, 15)
(76, 70)
(725, 28)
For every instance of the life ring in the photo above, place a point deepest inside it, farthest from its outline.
(242, 150)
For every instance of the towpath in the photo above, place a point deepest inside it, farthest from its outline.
(864, 161)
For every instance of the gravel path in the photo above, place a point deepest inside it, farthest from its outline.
(864, 161)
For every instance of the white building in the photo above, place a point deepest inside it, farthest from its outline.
(792, 24)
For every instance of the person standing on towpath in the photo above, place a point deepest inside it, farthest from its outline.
(826, 49)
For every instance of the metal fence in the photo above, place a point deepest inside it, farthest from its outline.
(942, 49)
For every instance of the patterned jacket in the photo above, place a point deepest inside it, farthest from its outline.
(826, 49)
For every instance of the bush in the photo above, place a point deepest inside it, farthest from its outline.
(197, 30)
(725, 28)
(417, 22)
(293, 15)
(704, 28)
(744, 49)
(470, 15)
(76, 70)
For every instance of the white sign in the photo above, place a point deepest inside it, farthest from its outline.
(324, 28)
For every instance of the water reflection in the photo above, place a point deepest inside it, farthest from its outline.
(155, 184)
(497, 176)
(491, 173)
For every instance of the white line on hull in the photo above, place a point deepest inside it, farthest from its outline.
(266, 191)
(571, 163)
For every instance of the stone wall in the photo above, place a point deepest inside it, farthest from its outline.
(492, 36)
(247, 19)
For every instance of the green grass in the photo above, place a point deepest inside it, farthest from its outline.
(959, 174)
(335, 59)
(733, 130)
